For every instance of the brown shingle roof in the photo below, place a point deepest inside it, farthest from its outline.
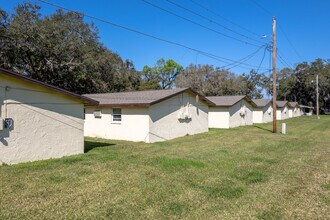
(281, 104)
(261, 102)
(85, 100)
(139, 98)
(227, 101)
(293, 104)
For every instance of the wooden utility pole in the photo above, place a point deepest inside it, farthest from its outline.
(274, 74)
(317, 97)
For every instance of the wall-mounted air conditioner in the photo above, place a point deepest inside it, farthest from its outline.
(184, 112)
(243, 111)
(97, 114)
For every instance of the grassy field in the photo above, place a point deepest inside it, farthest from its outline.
(245, 172)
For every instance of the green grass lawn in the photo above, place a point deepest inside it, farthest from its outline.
(245, 172)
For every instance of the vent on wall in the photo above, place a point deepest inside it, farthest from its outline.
(97, 114)
(269, 111)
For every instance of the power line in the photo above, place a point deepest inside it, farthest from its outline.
(222, 17)
(210, 55)
(241, 63)
(262, 8)
(287, 61)
(281, 29)
(244, 59)
(291, 44)
(198, 24)
(262, 60)
(285, 64)
(212, 21)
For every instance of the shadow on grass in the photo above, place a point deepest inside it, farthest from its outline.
(265, 129)
(90, 145)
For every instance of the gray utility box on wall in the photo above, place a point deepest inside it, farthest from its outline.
(9, 123)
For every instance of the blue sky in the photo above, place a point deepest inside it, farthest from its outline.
(305, 23)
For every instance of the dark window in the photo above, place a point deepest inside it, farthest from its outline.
(116, 114)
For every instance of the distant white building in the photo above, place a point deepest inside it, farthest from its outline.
(282, 110)
(149, 116)
(306, 110)
(294, 110)
(230, 111)
(263, 112)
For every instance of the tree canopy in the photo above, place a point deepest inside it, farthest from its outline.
(299, 84)
(63, 50)
(162, 75)
(210, 80)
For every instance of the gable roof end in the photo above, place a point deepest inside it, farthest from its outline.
(281, 104)
(293, 104)
(261, 102)
(85, 100)
(227, 101)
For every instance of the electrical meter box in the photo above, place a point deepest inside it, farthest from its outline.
(9, 123)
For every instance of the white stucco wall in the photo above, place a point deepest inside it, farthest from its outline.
(218, 117)
(164, 122)
(258, 115)
(285, 113)
(262, 115)
(46, 124)
(229, 117)
(268, 117)
(296, 112)
(291, 112)
(236, 119)
(134, 125)
(279, 114)
(282, 113)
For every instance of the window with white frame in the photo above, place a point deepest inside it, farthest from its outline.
(116, 115)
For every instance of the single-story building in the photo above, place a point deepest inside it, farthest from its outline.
(149, 116)
(306, 110)
(38, 121)
(282, 110)
(263, 112)
(294, 109)
(230, 111)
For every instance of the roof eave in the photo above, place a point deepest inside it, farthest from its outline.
(124, 105)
